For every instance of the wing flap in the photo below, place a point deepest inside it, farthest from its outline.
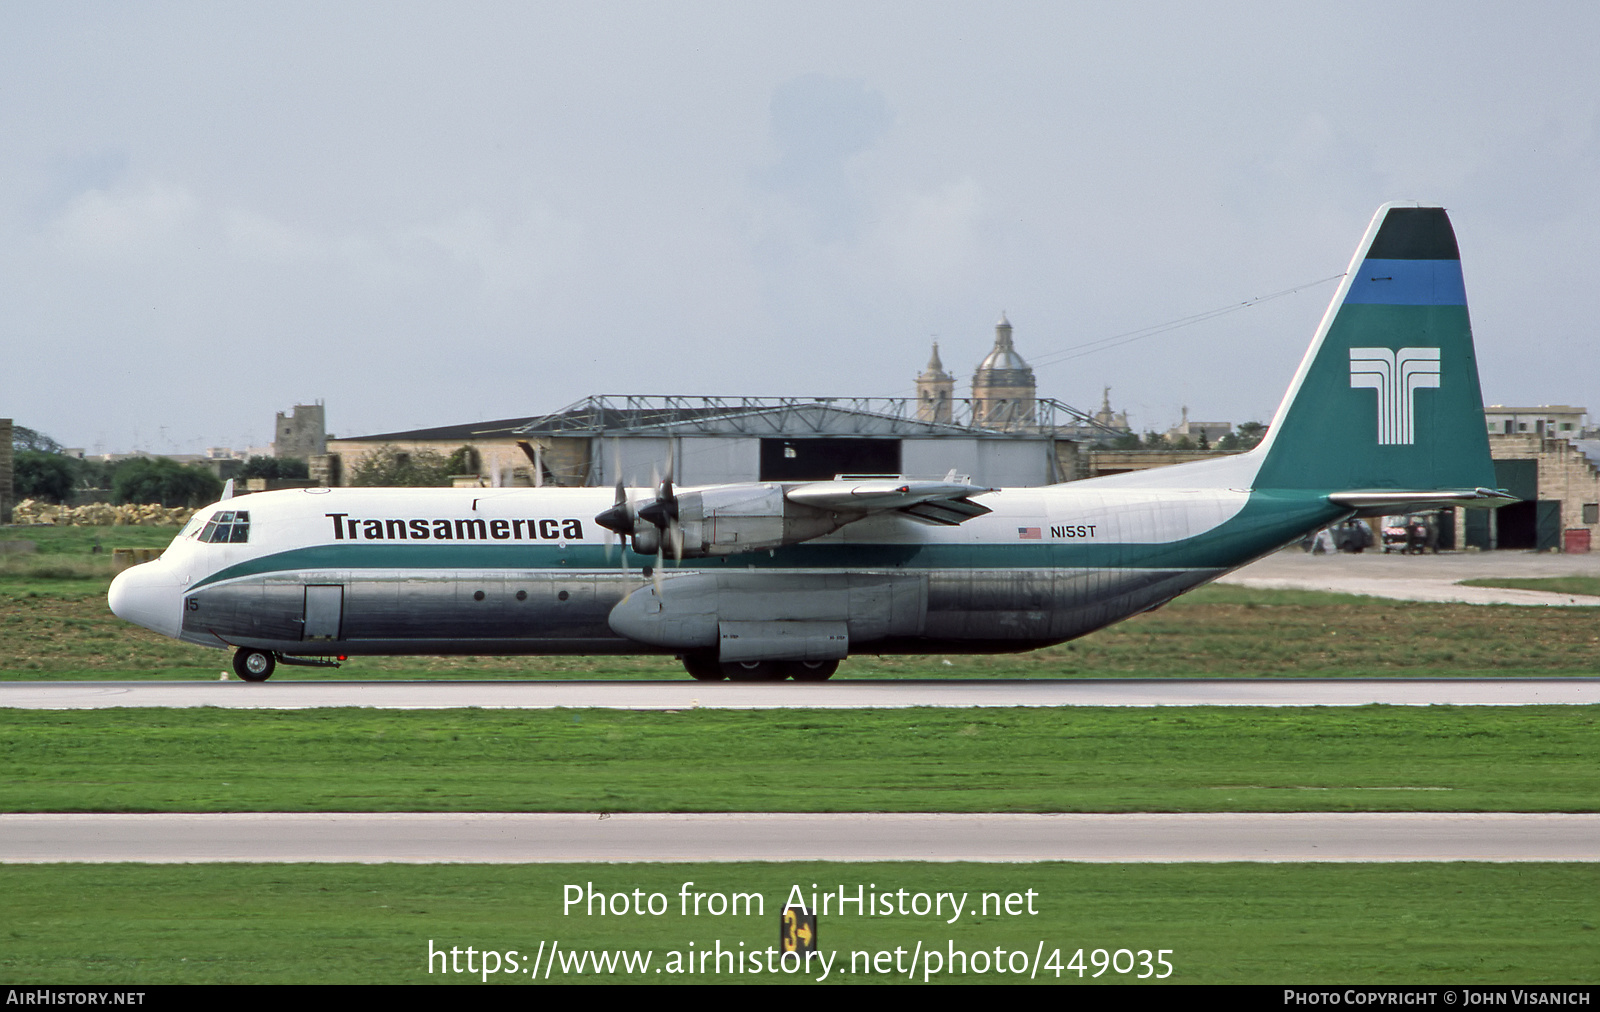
(945, 512)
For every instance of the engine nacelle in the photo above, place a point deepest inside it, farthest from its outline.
(730, 519)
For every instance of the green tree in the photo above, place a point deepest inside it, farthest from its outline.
(463, 461)
(390, 466)
(1245, 437)
(164, 481)
(24, 438)
(93, 473)
(274, 467)
(39, 475)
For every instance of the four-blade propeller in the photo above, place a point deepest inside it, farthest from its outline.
(660, 521)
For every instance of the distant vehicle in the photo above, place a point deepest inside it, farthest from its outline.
(783, 579)
(1413, 534)
(1352, 536)
(1394, 534)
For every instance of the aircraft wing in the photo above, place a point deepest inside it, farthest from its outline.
(944, 503)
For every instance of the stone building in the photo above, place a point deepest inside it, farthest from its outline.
(303, 434)
(1111, 419)
(1005, 399)
(500, 457)
(1559, 485)
(1198, 433)
(1099, 463)
(1560, 420)
(935, 391)
(1003, 389)
(6, 471)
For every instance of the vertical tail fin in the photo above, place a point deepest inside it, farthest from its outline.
(1387, 396)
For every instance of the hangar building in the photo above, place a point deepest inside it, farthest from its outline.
(1003, 435)
(712, 440)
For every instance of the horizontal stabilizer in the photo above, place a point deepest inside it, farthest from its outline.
(1382, 501)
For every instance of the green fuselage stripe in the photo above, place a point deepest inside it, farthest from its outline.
(1267, 521)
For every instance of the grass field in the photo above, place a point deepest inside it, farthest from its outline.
(1401, 923)
(57, 626)
(1231, 923)
(1077, 759)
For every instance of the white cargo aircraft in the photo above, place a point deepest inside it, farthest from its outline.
(773, 580)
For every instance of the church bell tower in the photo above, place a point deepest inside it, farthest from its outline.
(935, 391)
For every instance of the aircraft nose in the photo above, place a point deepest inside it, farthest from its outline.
(149, 595)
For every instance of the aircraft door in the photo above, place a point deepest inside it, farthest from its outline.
(324, 612)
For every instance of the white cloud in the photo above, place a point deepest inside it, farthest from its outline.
(128, 223)
(783, 198)
(163, 223)
(932, 235)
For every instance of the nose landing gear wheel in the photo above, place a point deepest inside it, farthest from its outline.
(253, 665)
(809, 671)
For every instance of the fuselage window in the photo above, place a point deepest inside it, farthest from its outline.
(228, 527)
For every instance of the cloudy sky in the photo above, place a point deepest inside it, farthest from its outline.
(426, 214)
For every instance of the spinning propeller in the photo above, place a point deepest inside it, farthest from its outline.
(620, 518)
(660, 521)
(662, 513)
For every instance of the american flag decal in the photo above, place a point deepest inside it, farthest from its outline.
(1029, 533)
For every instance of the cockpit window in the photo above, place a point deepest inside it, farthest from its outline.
(227, 527)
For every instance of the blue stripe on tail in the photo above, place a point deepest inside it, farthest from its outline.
(1408, 283)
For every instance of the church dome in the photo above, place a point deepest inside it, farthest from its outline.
(1003, 360)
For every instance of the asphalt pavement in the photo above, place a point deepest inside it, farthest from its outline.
(1421, 577)
(835, 695)
(512, 837)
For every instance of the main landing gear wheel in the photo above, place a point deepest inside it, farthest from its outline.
(754, 671)
(706, 668)
(703, 668)
(809, 671)
(253, 665)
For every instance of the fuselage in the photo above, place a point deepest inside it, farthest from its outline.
(348, 571)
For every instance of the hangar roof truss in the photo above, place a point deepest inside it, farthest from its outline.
(617, 414)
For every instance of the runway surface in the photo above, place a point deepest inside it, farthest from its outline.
(1422, 577)
(685, 695)
(503, 838)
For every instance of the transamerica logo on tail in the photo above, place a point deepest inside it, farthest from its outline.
(1396, 376)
